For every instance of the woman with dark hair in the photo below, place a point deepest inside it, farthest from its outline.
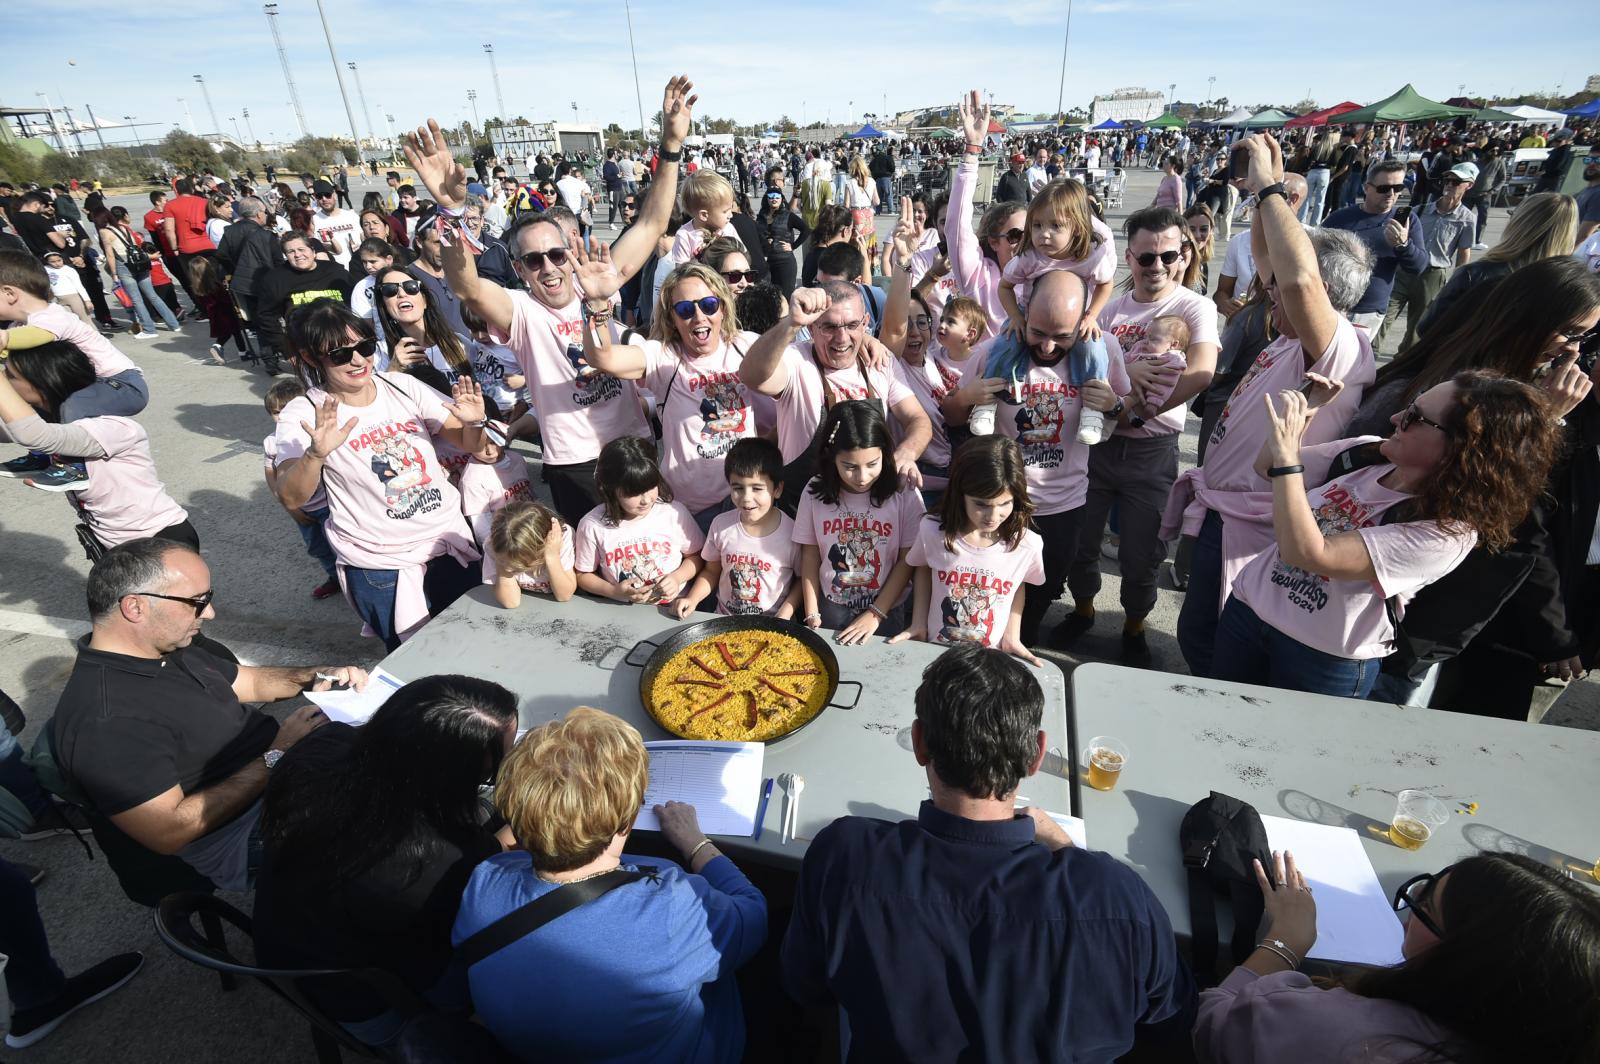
(373, 256)
(370, 835)
(834, 226)
(394, 520)
(379, 224)
(420, 340)
(1170, 192)
(123, 497)
(782, 229)
(127, 262)
(728, 257)
(978, 258)
(1500, 965)
(301, 278)
(1362, 525)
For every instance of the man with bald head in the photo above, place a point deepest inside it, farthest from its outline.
(1041, 412)
(1239, 265)
(1372, 220)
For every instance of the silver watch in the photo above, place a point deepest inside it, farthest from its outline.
(272, 757)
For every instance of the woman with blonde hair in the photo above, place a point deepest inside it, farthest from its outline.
(1544, 227)
(690, 364)
(642, 968)
(1201, 224)
(861, 197)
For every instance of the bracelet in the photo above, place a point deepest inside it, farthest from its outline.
(872, 608)
(703, 844)
(668, 156)
(1278, 943)
(808, 618)
(449, 212)
(1281, 955)
(974, 149)
(1285, 470)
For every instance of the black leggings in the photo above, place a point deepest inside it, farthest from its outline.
(1060, 534)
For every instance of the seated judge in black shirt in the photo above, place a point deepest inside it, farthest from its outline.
(152, 729)
(978, 931)
(370, 836)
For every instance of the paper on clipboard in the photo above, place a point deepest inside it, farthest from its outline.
(722, 780)
(1356, 924)
(350, 706)
(1074, 826)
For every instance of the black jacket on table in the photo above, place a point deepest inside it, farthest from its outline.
(248, 251)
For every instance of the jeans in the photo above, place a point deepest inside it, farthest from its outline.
(1060, 535)
(124, 394)
(1249, 650)
(32, 976)
(1311, 210)
(1413, 293)
(17, 777)
(316, 540)
(143, 294)
(1197, 619)
(886, 200)
(373, 591)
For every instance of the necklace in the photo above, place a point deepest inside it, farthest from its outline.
(580, 879)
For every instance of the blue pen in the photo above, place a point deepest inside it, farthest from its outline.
(761, 810)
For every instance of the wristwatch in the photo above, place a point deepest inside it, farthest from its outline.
(272, 757)
(1274, 189)
(1116, 411)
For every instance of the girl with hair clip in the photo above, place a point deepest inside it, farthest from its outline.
(971, 560)
(421, 342)
(855, 525)
(639, 545)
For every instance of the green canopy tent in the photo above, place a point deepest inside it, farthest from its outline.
(1489, 114)
(942, 134)
(1271, 118)
(1407, 105)
(1168, 121)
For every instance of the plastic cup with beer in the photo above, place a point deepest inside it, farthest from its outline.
(1106, 758)
(1417, 816)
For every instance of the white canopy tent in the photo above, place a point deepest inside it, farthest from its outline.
(1236, 117)
(1530, 115)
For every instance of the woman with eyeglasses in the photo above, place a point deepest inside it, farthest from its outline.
(404, 549)
(123, 497)
(782, 230)
(419, 339)
(978, 258)
(1502, 963)
(301, 278)
(690, 364)
(727, 256)
(370, 835)
(1361, 525)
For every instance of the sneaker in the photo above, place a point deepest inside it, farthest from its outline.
(28, 463)
(216, 354)
(59, 819)
(981, 421)
(59, 478)
(327, 589)
(30, 1025)
(1136, 650)
(1090, 424)
(145, 334)
(1480, 247)
(1109, 547)
(1070, 630)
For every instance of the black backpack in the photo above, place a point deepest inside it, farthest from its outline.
(1219, 837)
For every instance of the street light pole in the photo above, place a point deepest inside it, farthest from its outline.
(271, 11)
(216, 127)
(366, 114)
(472, 98)
(247, 129)
(1171, 92)
(355, 134)
(392, 138)
(95, 122)
(189, 116)
(1061, 89)
(1211, 94)
(137, 139)
(494, 72)
(644, 130)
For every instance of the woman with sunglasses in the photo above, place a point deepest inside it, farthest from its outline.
(727, 256)
(404, 550)
(781, 230)
(691, 365)
(978, 258)
(123, 498)
(1361, 525)
(1500, 965)
(302, 277)
(419, 339)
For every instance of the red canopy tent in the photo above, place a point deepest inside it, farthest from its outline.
(1321, 118)
(996, 127)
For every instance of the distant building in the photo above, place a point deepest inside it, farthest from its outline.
(1127, 105)
(1593, 84)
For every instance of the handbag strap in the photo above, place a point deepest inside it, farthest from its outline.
(529, 918)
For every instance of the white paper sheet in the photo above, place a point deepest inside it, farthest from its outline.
(721, 780)
(1356, 924)
(1074, 826)
(357, 707)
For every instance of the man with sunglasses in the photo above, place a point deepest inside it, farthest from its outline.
(151, 726)
(579, 409)
(1446, 228)
(1390, 240)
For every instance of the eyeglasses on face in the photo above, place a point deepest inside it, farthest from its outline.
(1012, 236)
(534, 260)
(1149, 258)
(390, 289)
(922, 321)
(1414, 895)
(199, 602)
(839, 326)
(707, 305)
(341, 356)
(735, 276)
(1413, 415)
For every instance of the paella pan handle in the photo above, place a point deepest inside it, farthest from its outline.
(627, 659)
(853, 701)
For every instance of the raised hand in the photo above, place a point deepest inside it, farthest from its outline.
(327, 435)
(1288, 427)
(436, 167)
(1322, 392)
(807, 305)
(974, 117)
(905, 235)
(466, 400)
(677, 112)
(596, 275)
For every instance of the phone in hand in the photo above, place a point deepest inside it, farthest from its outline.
(1403, 215)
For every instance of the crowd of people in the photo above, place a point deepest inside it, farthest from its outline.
(760, 410)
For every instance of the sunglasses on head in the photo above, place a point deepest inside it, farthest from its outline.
(708, 305)
(735, 276)
(534, 260)
(1149, 258)
(341, 356)
(390, 289)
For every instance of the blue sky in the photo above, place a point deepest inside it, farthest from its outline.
(755, 62)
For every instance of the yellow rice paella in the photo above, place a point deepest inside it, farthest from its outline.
(748, 686)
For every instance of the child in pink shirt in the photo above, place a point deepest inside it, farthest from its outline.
(708, 200)
(492, 477)
(1165, 343)
(856, 506)
(638, 546)
(750, 553)
(970, 562)
(529, 549)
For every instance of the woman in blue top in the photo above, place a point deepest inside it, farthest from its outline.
(645, 972)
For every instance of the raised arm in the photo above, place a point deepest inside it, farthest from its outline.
(897, 308)
(636, 246)
(966, 256)
(298, 478)
(1341, 556)
(595, 275)
(762, 367)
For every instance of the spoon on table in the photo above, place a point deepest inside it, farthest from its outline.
(798, 782)
(786, 782)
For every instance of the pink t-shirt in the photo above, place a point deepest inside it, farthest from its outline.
(975, 274)
(124, 498)
(643, 549)
(940, 291)
(387, 494)
(535, 579)
(1169, 193)
(107, 360)
(1128, 319)
(690, 240)
(269, 451)
(973, 588)
(705, 410)
(1045, 425)
(1097, 268)
(800, 402)
(1239, 432)
(756, 570)
(936, 378)
(579, 408)
(485, 489)
(858, 541)
(1347, 618)
(452, 460)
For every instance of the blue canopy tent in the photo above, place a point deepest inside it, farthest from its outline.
(1586, 110)
(866, 132)
(1110, 123)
